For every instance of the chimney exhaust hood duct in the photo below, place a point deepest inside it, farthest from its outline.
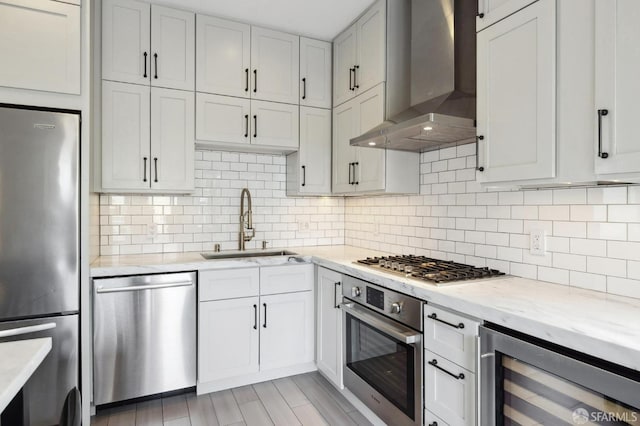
(442, 106)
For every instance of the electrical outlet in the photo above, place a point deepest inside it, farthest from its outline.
(538, 242)
(152, 230)
(303, 226)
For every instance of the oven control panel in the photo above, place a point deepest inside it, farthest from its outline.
(390, 303)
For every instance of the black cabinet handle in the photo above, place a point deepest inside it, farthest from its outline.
(255, 317)
(351, 71)
(335, 294)
(355, 182)
(433, 424)
(304, 88)
(155, 58)
(355, 77)
(304, 175)
(434, 363)
(246, 79)
(145, 170)
(255, 126)
(246, 125)
(264, 305)
(478, 167)
(155, 161)
(255, 81)
(145, 65)
(601, 113)
(480, 15)
(350, 179)
(435, 318)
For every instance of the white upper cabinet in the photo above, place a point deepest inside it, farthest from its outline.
(315, 73)
(359, 56)
(344, 60)
(144, 44)
(173, 48)
(222, 119)
(126, 41)
(40, 45)
(309, 170)
(125, 136)
(491, 11)
(345, 127)
(370, 67)
(370, 162)
(275, 124)
(275, 63)
(172, 140)
(617, 86)
(516, 115)
(223, 52)
(147, 138)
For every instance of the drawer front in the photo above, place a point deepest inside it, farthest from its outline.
(431, 419)
(449, 391)
(286, 278)
(451, 336)
(228, 284)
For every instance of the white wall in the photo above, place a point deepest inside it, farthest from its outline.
(211, 214)
(593, 234)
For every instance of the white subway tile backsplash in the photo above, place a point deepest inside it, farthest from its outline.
(609, 195)
(626, 213)
(554, 212)
(570, 229)
(570, 196)
(553, 275)
(588, 247)
(541, 197)
(623, 287)
(607, 231)
(589, 213)
(572, 262)
(588, 281)
(607, 266)
(623, 250)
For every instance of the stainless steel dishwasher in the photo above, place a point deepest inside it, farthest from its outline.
(144, 335)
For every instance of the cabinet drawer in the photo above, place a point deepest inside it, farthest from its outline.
(228, 284)
(285, 279)
(449, 391)
(451, 336)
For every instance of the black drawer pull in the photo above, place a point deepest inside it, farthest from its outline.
(355, 77)
(304, 88)
(145, 170)
(246, 125)
(434, 363)
(145, 65)
(255, 126)
(601, 113)
(155, 58)
(335, 294)
(265, 315)
(433, 424)
(155, 161)
(304, 175)
(478, 166)
(255, 81)
(246, 79)
(435, 318)
(255, 317)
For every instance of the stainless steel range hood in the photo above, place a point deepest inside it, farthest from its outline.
(443, 81)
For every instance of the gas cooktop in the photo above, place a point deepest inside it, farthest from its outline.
(427, 269)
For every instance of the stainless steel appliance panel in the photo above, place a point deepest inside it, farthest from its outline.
(144, 335)
(39, 258)
(47, 388)
(535, 382)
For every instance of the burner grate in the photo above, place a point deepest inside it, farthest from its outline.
(428, 269)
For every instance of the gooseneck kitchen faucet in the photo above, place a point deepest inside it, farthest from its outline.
(245, 224)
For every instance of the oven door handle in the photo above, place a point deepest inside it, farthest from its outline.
(403, 334)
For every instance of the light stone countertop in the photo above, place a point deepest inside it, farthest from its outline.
(599, 324)
(19, 359)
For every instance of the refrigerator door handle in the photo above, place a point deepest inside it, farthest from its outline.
(27, 330)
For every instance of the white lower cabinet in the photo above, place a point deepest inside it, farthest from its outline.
(329, 325)
(254, 324)
(431, 419)
(449, 391)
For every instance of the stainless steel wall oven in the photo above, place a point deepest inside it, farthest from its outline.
(529, 381)
(383, 350)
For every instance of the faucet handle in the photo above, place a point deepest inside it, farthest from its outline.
(264, 245)
(250, 237)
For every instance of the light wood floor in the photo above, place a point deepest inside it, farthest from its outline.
(307, 399)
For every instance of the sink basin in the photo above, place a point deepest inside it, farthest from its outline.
(236, 254)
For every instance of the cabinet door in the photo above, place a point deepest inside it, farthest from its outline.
(223, 55)
(344, 61)
(172, 140)
(126, 41)
(370, 167)
(491, 11)
(174, 48)
(125, 136)
(617, 85)
(329, 325)
(275, 124)
(444, 335)
(345, 127)
(315, 73)
(451, 398)
(222, 119)
(228, 338)
(40, 47)
(517, 96)
(275, 58)
(371, 60)
(287, 333)
(315, 151)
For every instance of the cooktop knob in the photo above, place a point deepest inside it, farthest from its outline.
(355, 292)
(396, 307)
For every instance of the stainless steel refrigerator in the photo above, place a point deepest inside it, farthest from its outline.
(39, 249)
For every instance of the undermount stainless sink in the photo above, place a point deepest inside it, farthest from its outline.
(236, 254)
